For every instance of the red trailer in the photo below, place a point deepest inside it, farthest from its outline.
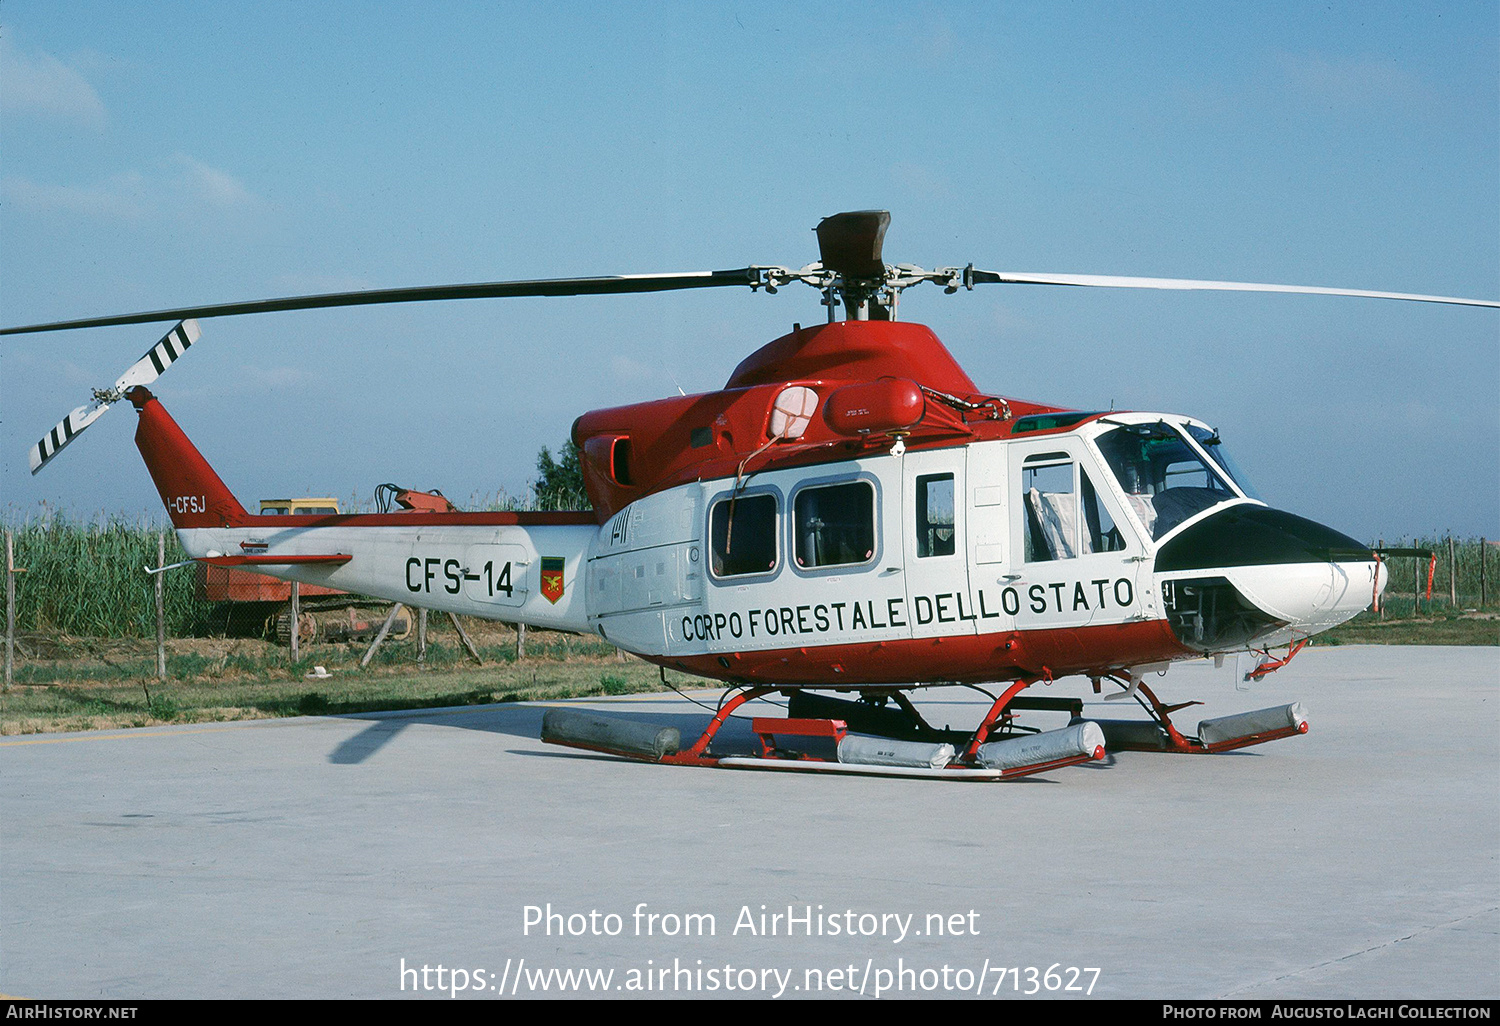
(253, 601)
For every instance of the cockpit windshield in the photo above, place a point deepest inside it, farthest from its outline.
(1164, 478)
(1214, 446)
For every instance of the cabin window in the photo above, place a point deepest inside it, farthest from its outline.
(935, 529)
(742, 532)
(1051, 506)
(834, 525)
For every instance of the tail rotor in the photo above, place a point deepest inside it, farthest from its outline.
(143, 372)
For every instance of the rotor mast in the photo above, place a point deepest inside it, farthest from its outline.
(852, 272)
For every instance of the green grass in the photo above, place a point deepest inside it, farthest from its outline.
(70, 683)
(283, 691)
(86, 578)
(1368, 629)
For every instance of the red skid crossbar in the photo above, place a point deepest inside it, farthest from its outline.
(996, 713)
(767, 727)
(698, 754)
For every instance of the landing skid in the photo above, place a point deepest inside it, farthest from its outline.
(1223, 734)
(883, 734)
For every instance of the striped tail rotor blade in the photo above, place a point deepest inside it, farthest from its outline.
(69, 428)
(160, 356)
(144, 371)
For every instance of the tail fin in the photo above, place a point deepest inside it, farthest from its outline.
(194, 495)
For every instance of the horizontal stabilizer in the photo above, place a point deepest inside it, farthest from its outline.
(332, 558)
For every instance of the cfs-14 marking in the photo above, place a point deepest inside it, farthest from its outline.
(450, 575)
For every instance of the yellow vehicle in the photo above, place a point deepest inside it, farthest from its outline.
(282, 507)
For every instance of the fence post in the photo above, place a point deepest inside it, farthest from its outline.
(385, 629)
(1379, 605)
(1452, 573)
(161, 606)
(421, 634)
(296, 618)
(1416, 587)
(10, 609)
(520, 641)
(463, 636)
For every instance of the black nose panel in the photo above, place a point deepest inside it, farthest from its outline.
(1257, 536)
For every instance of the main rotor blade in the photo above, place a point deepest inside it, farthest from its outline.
(602, 286)
(1118, 282)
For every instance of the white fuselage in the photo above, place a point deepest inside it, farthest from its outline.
(1022, 534)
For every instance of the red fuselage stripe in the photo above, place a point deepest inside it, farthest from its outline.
(424, 519)
(969, 658)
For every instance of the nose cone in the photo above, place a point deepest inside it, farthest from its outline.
(1253, 574)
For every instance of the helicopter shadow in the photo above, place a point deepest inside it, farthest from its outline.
(525, 721)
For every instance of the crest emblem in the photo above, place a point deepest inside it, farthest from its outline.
(552, 578)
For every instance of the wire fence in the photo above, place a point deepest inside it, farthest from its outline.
(1461, 577)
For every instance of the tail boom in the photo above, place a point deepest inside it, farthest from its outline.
(517, 567)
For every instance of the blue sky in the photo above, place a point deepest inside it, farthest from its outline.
(157, 154)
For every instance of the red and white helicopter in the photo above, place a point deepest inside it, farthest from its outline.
(850, 513)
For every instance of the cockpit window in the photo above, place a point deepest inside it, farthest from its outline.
(1215, 448)
(1164, 478)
